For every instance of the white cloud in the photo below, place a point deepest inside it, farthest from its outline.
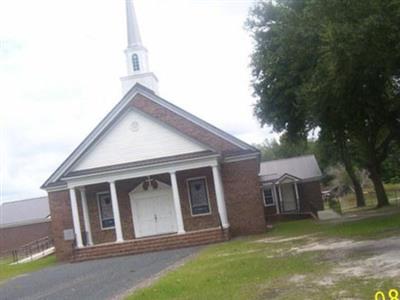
(60, 63)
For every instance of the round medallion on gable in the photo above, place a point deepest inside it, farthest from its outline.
(134, 126)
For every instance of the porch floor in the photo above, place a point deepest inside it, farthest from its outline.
(151, 244)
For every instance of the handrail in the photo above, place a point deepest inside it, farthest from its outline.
(32, 248)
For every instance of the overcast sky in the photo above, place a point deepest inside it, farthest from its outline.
(60, 64)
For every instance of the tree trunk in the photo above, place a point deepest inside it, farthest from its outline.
(356, 184)
(378, 186)
(350, 171)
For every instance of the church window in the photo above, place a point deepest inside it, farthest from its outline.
(268, 196)
(106, 210)
(135, 62)
(198, 196)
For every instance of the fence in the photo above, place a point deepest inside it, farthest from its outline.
(392, 194)
(348, 201)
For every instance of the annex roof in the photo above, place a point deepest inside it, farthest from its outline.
(23, 212)
(302, 167)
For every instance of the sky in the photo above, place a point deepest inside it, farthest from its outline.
(60, 64)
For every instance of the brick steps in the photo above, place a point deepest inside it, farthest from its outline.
(151, 244)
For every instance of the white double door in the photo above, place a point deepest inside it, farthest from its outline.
(153, 213)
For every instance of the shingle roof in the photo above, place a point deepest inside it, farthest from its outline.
(303, 167)
(26, 211)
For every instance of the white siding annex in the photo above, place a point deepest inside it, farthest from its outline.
(136, 137)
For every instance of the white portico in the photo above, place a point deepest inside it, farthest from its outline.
(163, 200)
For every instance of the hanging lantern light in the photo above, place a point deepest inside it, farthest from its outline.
(154, 184)
(145, 185)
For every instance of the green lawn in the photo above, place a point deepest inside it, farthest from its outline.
(245, 269)
(8, 271)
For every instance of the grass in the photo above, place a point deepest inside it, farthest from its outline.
(8, 271)
(245, 269)
(367, 228)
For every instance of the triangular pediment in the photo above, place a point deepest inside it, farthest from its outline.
(136, 137)
(164, 131)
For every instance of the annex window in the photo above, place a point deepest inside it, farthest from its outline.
(268, 196)
(106, 211)
(198, 195)
(135, 62)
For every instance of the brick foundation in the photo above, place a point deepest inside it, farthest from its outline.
(151, 244)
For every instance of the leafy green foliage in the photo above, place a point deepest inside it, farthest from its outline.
(285, 148)
(332, 65)
(391, 166)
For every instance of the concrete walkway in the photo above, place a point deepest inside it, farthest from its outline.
(36, 256)
(100, 279)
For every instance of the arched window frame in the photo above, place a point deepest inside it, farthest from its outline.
(135, 62)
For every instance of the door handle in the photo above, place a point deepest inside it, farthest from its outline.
(155, 217)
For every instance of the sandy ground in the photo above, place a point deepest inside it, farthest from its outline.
(368, 259)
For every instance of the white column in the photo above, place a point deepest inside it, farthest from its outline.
(177, 203)
(75, 218)
(86, 219)
(276, 198)
(219, 190)
(280, 197)
(297, 195)
(117, 218)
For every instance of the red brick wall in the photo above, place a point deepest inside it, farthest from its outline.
(14, 237)
(311, 197)
(182, 124)
(243, 197)
(202, 221)
(99, 235)
(61, 218)
(270, 210)
(125, 187)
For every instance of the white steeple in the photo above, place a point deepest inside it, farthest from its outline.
(136, 56)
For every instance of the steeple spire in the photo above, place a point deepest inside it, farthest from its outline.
(134, 38)
(136, 56)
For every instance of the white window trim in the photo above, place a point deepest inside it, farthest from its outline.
(190, 200)
(271, 187)
(99, 210)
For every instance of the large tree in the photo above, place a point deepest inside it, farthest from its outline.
(285, 148)
(333, 65)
